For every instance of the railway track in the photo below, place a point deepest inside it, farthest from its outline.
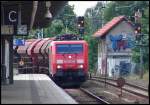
(129, 84)
(134, 89)
(94, 96)
(83, 96)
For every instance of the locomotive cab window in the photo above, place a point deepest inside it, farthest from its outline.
(69, 48)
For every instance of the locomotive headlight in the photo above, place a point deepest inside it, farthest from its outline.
(69, 57)
(59, 66)
(80, 61)
(59, 61)
(80, 66)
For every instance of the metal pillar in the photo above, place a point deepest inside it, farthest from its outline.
(141, 63)
(138, 16)
(11, 81)
(106, 62)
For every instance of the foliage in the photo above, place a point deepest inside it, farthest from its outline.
(93, 21)
(56, 27)
(65, 22)
(109, 11)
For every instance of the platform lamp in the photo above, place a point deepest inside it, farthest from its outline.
(48, 14)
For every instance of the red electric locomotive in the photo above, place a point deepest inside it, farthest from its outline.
(68, 60)
(64, 58)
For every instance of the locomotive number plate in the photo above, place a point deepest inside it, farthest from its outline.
(69, 61)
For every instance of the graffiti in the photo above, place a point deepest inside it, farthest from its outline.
(125, 68)
(114, 40)
(121, 41)
(115, 71)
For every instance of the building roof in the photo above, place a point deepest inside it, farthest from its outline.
(107, 27)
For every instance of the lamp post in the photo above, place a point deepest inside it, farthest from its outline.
(66, 23)
(106, 55)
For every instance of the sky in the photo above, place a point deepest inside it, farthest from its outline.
(81, 6)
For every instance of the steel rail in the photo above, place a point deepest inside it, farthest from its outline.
(94, 96)
(128, 84)
(130, 91)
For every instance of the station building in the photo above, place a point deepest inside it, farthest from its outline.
(115, 42)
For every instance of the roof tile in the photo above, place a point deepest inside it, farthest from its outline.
(108, 26)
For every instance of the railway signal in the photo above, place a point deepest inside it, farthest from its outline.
(81, 24)
(138, 31)
(137, 28)
(139, 36)
(81, 21)
(120, 82)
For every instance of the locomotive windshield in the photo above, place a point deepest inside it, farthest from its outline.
(69, 48)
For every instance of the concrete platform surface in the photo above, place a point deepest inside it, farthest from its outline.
(34, 89)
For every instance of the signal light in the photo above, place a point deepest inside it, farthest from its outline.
(137, 28)
(81, 21)
(137, 31)
(81, 24)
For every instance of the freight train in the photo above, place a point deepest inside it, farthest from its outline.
(64, 58)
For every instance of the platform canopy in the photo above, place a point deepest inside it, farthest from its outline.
(32, 12)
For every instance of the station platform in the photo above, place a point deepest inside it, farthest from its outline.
(34, 89)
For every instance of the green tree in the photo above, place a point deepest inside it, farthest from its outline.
(93, 21)
(68, 18)
(64, 23)
(56, 28)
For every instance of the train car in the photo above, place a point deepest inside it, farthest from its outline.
(40, 58)
(68, 60)
(41, 53)
(27, 64)
(33, 55)
(64, 58)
